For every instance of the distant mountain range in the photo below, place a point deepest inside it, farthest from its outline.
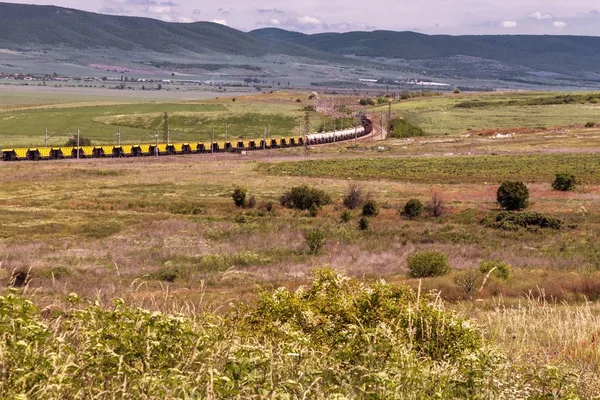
(43, 27)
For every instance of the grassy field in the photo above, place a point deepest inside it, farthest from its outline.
(24, 119)
(438, 116)
(148, 278)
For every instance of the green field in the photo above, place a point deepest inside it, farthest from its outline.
(438, 115)
(451, 170)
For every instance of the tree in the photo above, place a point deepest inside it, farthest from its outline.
(513, 196)
(436, 205)
(239, 196)
(354, 197)
(564, 182)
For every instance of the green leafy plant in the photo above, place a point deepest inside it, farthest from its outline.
(363, 224)
(428, 264)
(315, 240)
(512, 221)
(346, 216)
(499, 269)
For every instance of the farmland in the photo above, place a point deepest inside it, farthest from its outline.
(141, 270)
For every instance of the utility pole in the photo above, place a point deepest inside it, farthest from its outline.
(119, 137)
(265, 139)
(226, 129)
(333, 129)
(78, 144)
(212, 141)
(46, 137)
(166, 137)
(268, 130)
(156, 146)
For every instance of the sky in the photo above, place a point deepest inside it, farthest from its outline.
(566, 17)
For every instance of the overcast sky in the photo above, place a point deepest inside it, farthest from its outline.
(575, 17)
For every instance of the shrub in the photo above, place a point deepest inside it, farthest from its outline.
(401, 128)
(382, 100)
(304, 197)
(251, 202)
(512, 221)
(564, 182)
(241, 219)
(513, 196)
(346, 216)
(413, 209)
(309, 109)
(354, 197)
(83, 141)
(370, 208)
(428, 264)
(468, 281)
(363, 224)
(313, 210)
(456, 91)
(269, 206)
(500, 269)
(436, 206)
(590, 124)
(367, 101)
(315, 240)
(239, 196)
(166, 274)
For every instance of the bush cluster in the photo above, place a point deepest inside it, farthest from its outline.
(500, 269)
(370, 208)
(512, 221)
(401, 128)
(83, 141)
(304, 198)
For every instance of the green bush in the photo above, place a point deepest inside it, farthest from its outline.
(500, 269)
(83, 141)
(363, 224)
(315, 240)
(401, 128)
(413, 209)
(367, 101)
(590, 124)
(513, 196)
(304, 197)
(512, 221)
(564, 182)
(428, 264)
(346, 216)
(370, 208)
(239, 196)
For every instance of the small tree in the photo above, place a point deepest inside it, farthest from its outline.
(239, 196)
(436, 205)
(413, 209)
(564, 182)
(354, 197)
(427, 264)
(370, 208)
(513, 196)
(315, 240)
(346, 216)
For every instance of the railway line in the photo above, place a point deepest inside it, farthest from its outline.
(141, 150)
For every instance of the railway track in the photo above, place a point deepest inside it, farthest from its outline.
(141, 150)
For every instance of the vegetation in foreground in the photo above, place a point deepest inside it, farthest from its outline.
(335, 338)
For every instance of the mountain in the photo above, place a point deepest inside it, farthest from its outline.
(30, 27)
(549, 53)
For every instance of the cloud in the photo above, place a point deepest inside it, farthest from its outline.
(274, 21)
(509, 24)
(196, 11)
(220, 21)
(539, 15)
(559, 24)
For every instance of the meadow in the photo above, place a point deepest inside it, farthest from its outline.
(439, 116)
(140, 278)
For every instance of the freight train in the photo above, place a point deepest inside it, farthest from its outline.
(140, 150)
